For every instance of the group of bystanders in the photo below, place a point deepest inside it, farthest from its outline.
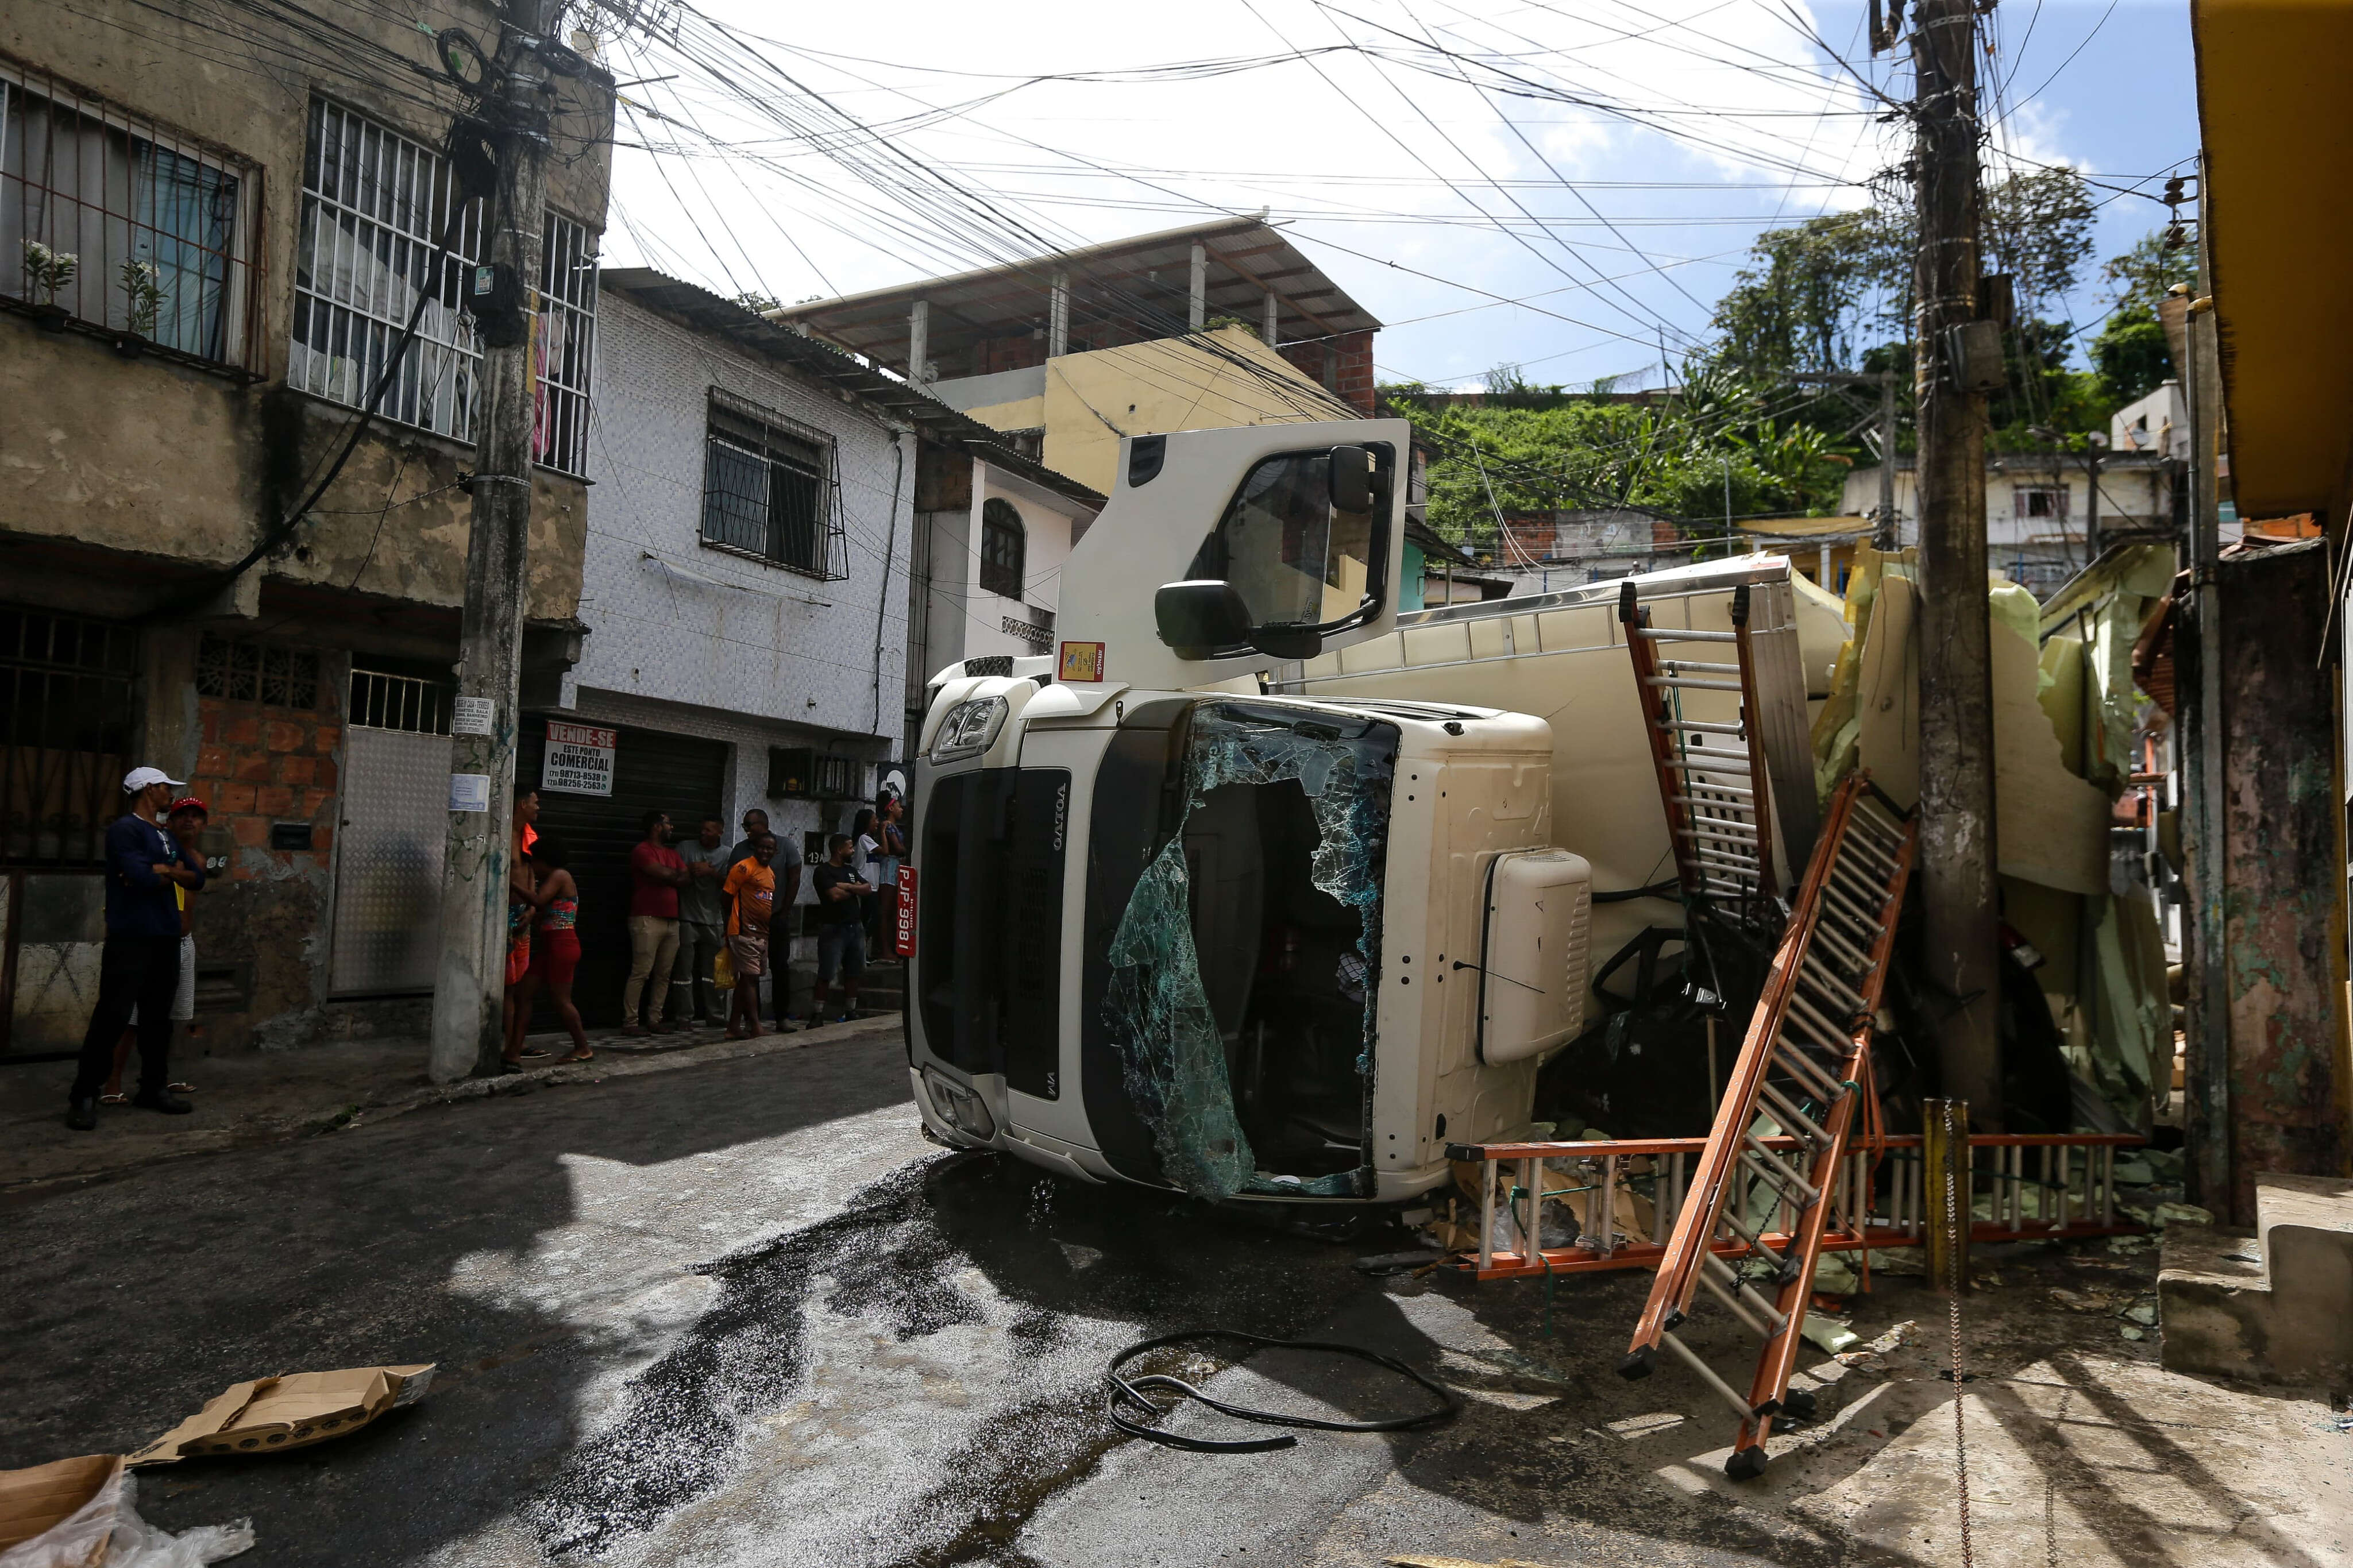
(701, 920)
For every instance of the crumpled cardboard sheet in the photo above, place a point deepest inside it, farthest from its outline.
(35, 1502)
(83, 1513)
(271, 1414)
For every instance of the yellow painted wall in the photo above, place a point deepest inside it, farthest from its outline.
(1150, 389)
(1021, 414)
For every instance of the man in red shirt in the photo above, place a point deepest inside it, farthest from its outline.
(656, 871)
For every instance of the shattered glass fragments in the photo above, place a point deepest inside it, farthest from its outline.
(1172, 1055)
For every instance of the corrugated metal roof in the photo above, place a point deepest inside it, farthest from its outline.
(699, 307)
(1134, 289)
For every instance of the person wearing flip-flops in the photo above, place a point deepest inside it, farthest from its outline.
(186, 819)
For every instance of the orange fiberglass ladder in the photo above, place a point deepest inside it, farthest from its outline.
(1804, 1068)
(1711, 776)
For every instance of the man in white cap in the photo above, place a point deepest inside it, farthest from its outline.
(141, 964)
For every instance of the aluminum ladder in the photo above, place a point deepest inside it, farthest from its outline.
(1712, 774)
(1805, 1065)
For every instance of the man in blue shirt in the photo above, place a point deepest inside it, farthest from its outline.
(141, 964)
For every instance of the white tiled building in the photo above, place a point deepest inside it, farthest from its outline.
(746, 590)
(720, 603)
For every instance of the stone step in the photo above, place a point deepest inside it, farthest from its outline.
(2270, 1305)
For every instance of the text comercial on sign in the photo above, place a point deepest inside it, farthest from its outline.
(579, 759)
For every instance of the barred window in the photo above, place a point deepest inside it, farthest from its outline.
(66, 734)
(121, 226)
(256, 672)
(768, 490)
(389, 700)
(1004, 548)
(375, 207)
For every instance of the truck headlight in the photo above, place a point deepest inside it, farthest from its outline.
(969, 729)
(957, 1106)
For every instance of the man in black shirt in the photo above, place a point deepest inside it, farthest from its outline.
(840, 935)
(141, 964)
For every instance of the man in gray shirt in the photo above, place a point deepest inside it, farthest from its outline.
(701, 925)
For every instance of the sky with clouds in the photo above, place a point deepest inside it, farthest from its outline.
(1567, 186)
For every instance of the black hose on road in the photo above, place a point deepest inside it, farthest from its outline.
(1130, 1391)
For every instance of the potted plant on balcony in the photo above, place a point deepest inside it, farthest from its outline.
(46, 270)
(144, 294)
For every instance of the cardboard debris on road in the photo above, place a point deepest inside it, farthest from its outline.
(34, 1502)
(272, 1414)
(81, 1513)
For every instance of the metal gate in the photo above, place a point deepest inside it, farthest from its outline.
(390, 838)
(652, 770)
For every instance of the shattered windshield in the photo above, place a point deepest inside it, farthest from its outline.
(1238, 998)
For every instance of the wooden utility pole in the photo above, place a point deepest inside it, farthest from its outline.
(1957, 855)
(1884, 533)
(501, 293)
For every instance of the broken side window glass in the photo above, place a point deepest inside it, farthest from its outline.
(1239, 999)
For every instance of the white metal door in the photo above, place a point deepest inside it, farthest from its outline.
(388, 849)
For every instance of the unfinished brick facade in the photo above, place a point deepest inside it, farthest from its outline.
(271, 736)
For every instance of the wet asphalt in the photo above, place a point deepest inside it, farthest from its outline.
(746, 1314)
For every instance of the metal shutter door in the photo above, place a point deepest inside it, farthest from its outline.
(652, 770)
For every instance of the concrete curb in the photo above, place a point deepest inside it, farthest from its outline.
(369, 1112)
(607, 1066)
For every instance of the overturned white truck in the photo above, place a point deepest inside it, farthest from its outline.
(1260, 890)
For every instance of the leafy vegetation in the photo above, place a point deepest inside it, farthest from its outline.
(1830, 293)
(1724, 444)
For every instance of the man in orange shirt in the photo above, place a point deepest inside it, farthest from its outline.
(750, 895)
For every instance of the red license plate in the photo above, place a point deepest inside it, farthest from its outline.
(905, 942)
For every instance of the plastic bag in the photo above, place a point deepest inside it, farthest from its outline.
(107, 1533)
(723, 970)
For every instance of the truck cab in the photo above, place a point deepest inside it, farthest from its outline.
(1173, 930)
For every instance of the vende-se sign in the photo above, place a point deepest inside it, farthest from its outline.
(578, 759)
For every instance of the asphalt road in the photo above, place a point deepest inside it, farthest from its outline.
(744, 1313)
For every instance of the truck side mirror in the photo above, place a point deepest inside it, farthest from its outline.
(1198, 618)
(1352, 479)
(1287, 639)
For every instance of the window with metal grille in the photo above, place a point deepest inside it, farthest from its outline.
(375, 206)
(66, 734)
(768, 490)
(1004, 547)
(386, 699)
(109, 220)
(256, 672)
(2040, 504)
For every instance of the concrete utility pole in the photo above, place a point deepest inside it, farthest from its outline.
(471, 978)
(1957, 855)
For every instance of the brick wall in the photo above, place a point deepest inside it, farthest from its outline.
(260, 761)
(1312, 360)
(1353, 376)
(257, 765)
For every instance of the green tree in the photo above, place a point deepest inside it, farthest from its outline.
(1803, 296)
(2131, 354)
(2037, 227)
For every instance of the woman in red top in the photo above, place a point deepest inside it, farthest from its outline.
(555, 956)
(523, 891)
